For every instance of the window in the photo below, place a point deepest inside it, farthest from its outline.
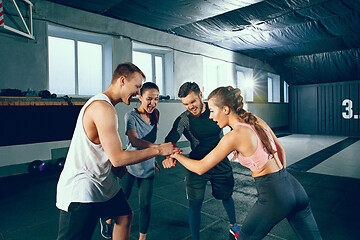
(157, 65)
(78, 64)
(273, 88)
(211, 76)
(245, 81)
(152, 66)
(286, 92)
(215, 73)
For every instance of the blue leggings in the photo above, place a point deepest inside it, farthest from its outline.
(280, 196)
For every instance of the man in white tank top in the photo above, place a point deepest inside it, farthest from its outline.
(87, 187)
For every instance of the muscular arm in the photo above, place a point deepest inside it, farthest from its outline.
(226, 145)
(104, 118)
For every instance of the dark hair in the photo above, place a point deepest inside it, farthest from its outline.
(126, 70)
(188, 87)
(148, 85)
(231, 97)
(154, 116)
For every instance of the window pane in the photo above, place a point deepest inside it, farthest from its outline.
(276, 89)
(246, 85)
(159, 73)
(270, 89)
(143, 61)
(210, 80)
(61, 65)
(286, 92)
(249, 94)
(89, 68)
(240, 78)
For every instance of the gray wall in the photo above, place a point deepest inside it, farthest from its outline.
(319, 108)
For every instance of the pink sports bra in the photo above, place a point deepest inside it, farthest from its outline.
(260, 156)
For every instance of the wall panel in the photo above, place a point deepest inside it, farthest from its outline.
(319, 109)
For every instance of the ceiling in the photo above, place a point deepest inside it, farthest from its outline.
(306, 41)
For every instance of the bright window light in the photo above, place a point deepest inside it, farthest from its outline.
(159, 73)
(157, 63)
(246, 83)
(286, 92)
(89, 68)
(80, 63)
(144, 62)
(249, 83)
(61, 65)
(273, 88)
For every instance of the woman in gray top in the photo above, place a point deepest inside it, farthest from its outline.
(141, 130)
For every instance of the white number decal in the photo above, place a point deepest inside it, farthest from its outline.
(349, 112)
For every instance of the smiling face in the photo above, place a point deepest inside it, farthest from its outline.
(132, 86)
(218, 115)
(149, 99)
(193, 103)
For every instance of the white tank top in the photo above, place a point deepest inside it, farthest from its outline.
(87, 175)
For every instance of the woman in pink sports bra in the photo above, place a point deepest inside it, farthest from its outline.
(258, 149)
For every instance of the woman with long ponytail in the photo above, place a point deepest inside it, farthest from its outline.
(280, 195)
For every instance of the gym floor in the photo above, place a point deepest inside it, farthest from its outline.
(327, 166)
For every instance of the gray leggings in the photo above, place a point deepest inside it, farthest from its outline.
(280, 196)
(145, 187)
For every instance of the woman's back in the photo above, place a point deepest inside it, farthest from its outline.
(252, 153)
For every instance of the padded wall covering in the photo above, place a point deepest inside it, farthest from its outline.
(35, 124)
(307, 41)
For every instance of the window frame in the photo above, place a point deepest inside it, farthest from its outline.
(286, 92)
(80, 36)
(248, 73)
(275, 79)
(167, 55)
(153, 67)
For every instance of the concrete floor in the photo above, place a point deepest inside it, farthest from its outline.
(27, 202)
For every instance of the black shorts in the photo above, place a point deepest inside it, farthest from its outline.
(81, 219)
(222, 184)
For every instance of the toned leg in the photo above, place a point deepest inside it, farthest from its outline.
(122, 226)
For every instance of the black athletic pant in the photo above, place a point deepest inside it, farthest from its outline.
(280, 196)
(79, 222)
(145, 187)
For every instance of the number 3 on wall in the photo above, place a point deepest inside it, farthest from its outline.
(349, 112)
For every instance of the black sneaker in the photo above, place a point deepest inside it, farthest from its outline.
(105, 229)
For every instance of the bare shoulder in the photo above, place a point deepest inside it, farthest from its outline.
(238, 133)
(101, 107)
(100, 112)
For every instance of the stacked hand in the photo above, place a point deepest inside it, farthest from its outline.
(168, 149)
(169, 162)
